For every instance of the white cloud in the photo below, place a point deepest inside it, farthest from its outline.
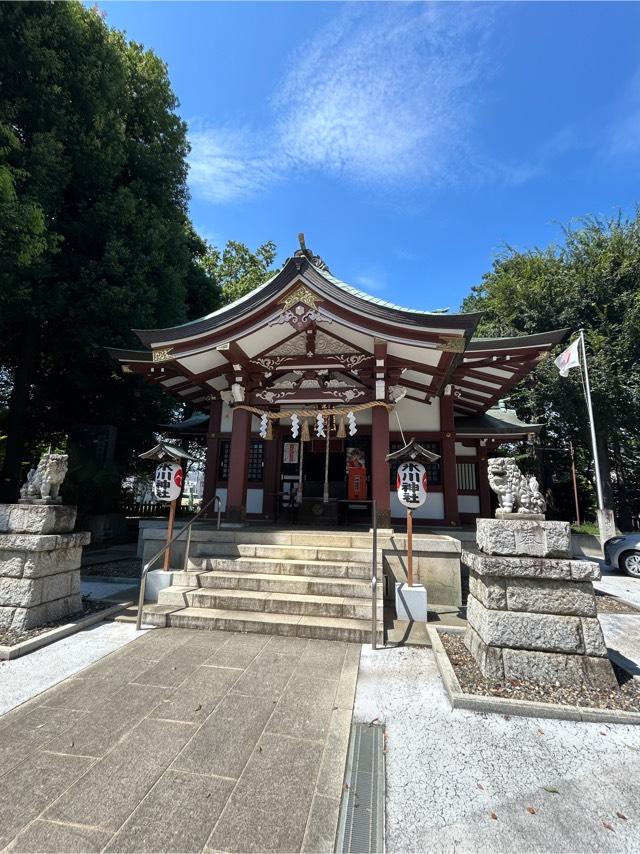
(623, 137)
(369, 282)
(225, 165)
(385, 95)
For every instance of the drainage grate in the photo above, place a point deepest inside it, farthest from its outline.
(361, 824)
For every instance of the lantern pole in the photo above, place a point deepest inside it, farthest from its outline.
(409, 547)
(172, 518)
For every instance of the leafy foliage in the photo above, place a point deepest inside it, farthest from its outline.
(592, 281)
(238, 270)
(94, 234)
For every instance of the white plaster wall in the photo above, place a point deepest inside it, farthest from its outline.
(468, 504)
(462, 451)
(415, 416)
(222, 492)
(254, 500)
(433, 507)
(226, 420)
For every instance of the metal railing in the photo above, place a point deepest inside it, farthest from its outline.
(150, 563)
(374, 575)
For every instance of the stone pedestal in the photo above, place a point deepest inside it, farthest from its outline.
(39, 564)
(531, 609)
(411, 602)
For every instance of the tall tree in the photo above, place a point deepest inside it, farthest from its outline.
(95, 234)
(238, 270)
(592, 281)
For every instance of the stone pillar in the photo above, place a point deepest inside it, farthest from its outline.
(213, 449)
(531, 610)
(39, 564)
(238, 466)
(449, 478)
(379, 466)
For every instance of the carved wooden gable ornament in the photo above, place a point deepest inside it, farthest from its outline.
(299, 308)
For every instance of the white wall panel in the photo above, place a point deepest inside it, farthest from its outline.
(433, 507)
(463, 451)
(468, 504)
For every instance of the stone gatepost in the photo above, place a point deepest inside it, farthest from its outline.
(39, 564)
(531, 609)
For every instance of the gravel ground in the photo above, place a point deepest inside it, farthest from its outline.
(11, 638)
(472, 681)
(462, 781)
(122, 568)
(607, 604)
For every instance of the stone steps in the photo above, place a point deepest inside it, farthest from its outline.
(310, 552)
(281, 566)
(292, 625)
(267, 582)
(283, 603)
(309, 584)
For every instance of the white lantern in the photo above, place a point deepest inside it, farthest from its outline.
(411, 484)
(168, 481)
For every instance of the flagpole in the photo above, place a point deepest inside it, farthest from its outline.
(592, 425)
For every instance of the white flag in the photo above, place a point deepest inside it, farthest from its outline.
(569, 358)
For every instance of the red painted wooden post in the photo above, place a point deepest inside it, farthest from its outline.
(380, 489)
(211, 459)
(449, 479)
(238, 466)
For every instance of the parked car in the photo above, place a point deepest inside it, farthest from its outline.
(623, 552)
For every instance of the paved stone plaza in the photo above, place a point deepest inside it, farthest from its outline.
(183, 741)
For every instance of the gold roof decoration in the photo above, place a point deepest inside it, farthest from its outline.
(162, 355)
(303, 295)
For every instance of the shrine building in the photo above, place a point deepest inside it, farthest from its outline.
(305, 385)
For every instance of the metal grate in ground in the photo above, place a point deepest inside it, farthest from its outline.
(361, 823)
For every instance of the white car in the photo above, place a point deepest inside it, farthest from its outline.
(623, 552)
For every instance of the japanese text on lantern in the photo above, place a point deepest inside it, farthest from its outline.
(412, 484)
(168, 481)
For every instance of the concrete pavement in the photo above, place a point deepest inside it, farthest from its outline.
(183, 741)
(553, 786)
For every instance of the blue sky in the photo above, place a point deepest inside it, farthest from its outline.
(409, 142)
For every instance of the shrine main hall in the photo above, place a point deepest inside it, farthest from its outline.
(301, 389)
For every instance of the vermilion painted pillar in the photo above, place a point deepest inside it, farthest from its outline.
(449, 480)
(483, 484)
(379, 465)
(238, 466)
(211, 459)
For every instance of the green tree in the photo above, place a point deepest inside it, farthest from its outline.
(592, 281)
(238, 270)
(94, 229)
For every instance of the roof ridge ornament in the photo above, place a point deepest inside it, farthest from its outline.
(303, 252)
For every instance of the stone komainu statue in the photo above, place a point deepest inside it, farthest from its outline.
(44, 482)
(516, 493)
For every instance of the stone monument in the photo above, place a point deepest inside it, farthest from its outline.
(531, 609)
(39, 555)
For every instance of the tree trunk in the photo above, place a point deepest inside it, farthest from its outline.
(624, 510)
(18, 408)
(605, 471)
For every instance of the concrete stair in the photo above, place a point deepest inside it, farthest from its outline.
(317, 587)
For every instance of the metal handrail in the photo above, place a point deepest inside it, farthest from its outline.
(149, 563)
(374, 575)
